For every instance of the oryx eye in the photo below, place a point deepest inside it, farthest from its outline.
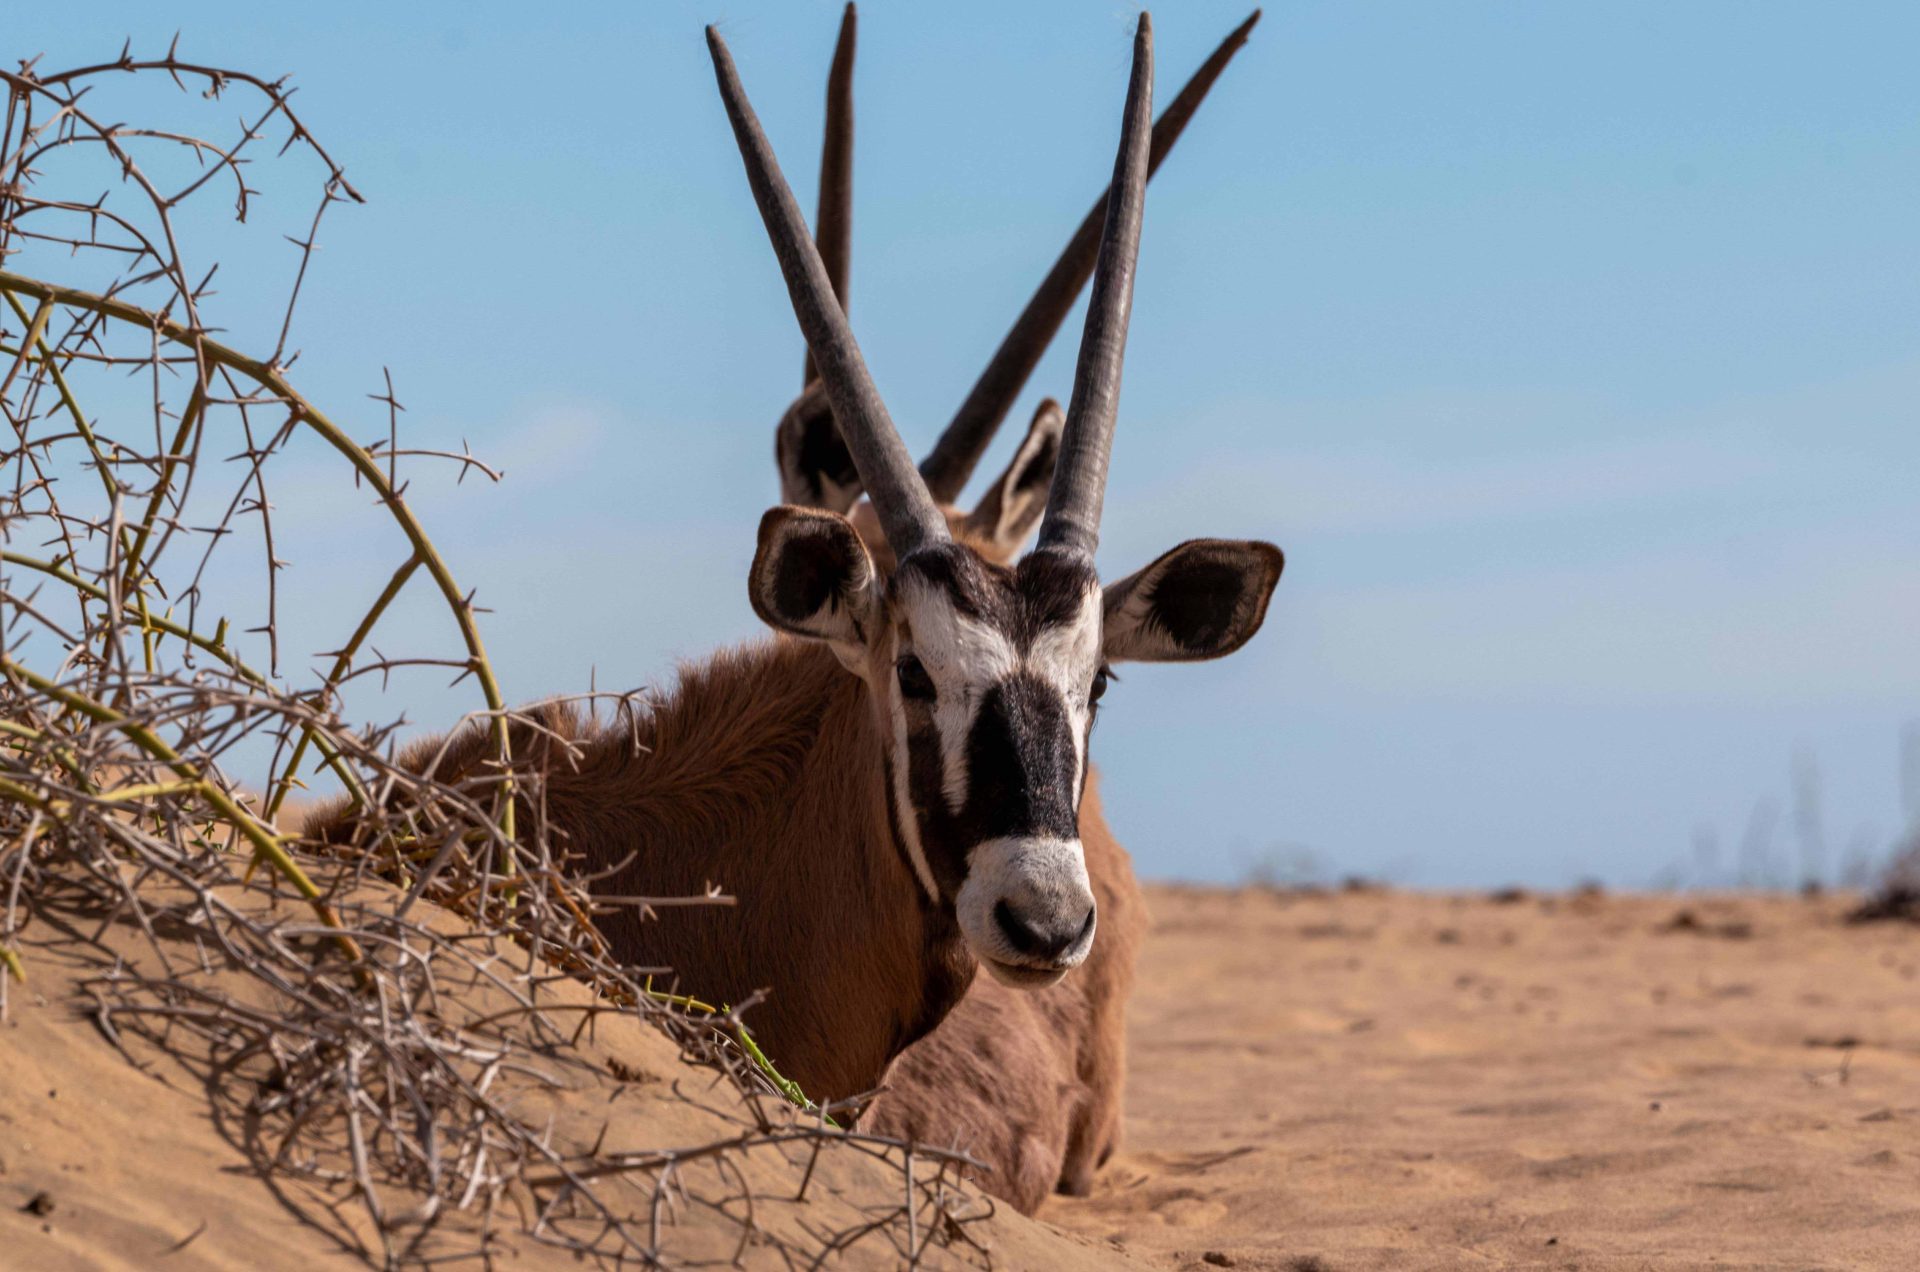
(915, 683)
(1100, 679)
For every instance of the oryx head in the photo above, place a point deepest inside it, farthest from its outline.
(985, 678)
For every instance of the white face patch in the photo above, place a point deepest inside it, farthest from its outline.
(903, 801)
(963, 657)
(1044, 883)
(1026, 906)
(960, 655)
(1066, 658)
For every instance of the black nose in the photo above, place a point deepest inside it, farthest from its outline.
(1042, 942)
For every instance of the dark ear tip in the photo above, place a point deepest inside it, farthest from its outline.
(770, 522)
(771, 519)
(1271, 553)
(816, 518)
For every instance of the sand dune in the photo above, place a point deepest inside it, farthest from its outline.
(152, 1159)
(1342, 1081)
(1392, 1080)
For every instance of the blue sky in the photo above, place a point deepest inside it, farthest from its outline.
(1571, 352)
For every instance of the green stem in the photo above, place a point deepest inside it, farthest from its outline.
(34, 328)
(68, 760)
(196, 405)
(21, 795)
(341, 664)
(216, 646)
(265, 843)
(781, 1083)
(269, 377)
(60, 385)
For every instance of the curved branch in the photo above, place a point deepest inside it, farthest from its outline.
(271, 378)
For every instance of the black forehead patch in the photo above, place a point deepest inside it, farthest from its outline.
(1044, 591)
(960, 574)
(1054, 586)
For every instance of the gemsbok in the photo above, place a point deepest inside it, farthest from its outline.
(1028, 1082)
(893, 794)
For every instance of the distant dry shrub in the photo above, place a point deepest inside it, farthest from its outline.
(1897, 896)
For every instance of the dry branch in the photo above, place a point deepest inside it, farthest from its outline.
(381, 1045)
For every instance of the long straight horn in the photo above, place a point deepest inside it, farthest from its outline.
(833, 224)
(1080, 477)
(907, 514)
(951, 461)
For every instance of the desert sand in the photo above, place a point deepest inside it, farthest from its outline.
(1337, 1081)
(150, 1159)
(1373, 1079)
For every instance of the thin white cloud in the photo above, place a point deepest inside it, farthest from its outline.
(1379, 492)
(1822, 620)
(1444, 461)
(547, 444)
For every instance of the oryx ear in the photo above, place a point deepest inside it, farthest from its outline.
(1012, 506)
(812, 577)
(816, 468)
(1204, 599)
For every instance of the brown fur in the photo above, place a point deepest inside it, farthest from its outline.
(760, 773)
(1030, 1082)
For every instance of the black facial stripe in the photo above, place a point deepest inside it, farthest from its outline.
(1021, 777)
(1021, 762)
(926, 788)
(944, 882)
